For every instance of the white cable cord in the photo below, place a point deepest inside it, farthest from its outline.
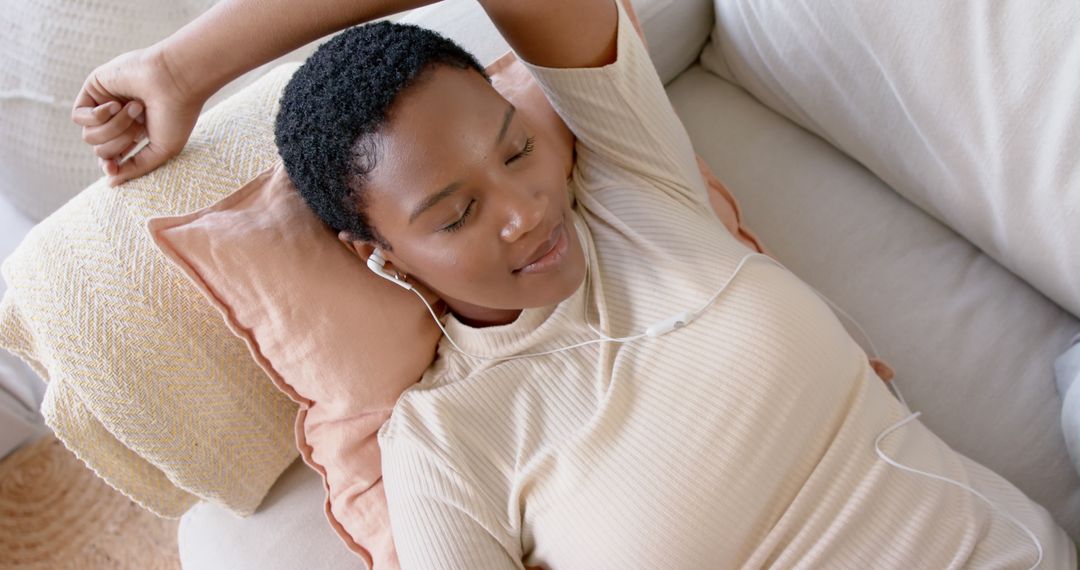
(881, 454)
(515, 356)
(897, 425)
(685, 318)
(657, 329)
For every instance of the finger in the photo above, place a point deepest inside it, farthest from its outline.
(93, 93)
(90, 116)
(114, 127)
(116, 146)
(111, 169)
(111, 166)
(108, 166)
(146, 160)
(85, 99)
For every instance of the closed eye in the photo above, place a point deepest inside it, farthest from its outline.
(530, 143)
(525, 151)
(461, 221)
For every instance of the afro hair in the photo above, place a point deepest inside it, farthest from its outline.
(340, 97)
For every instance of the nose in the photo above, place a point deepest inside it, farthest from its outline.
(525, 209)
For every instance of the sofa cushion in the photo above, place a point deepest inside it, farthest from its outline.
(972, 344)
(967, 109)
(48, 52)
(910, 281)
(289, 531)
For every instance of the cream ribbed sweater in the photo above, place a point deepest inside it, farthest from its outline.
(745, 440)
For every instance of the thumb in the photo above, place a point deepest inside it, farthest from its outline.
(168, 131)
(146, 160)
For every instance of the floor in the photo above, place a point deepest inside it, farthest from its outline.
(55, 513)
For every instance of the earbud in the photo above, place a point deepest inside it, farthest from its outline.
(377, 264)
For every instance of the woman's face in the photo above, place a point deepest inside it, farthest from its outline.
(473, 204)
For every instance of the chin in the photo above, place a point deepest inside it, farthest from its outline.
(535, 291)
(559, 286)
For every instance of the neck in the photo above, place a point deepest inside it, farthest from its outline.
(472, 315)
(480, 317)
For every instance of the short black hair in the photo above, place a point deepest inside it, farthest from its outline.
(340, 97)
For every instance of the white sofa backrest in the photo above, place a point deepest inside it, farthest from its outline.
(966, 108)
(676, 30)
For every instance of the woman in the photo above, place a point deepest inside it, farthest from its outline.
(744, 439)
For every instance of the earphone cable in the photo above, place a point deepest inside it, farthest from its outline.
(438, 322)
(689, 317)
(901, 466)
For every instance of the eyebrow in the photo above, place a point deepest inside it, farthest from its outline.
(506, 123)
(437, 197)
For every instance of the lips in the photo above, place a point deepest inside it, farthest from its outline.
(544, 251)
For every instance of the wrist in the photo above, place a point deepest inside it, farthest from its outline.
(182, 73)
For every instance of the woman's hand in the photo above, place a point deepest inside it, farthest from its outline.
(135, 96)
(168, 83)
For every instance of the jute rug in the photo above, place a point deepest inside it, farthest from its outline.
(55, 513)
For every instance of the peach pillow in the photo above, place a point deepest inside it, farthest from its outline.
(339, 341)
(335, 338)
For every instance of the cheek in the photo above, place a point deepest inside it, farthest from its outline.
(558, 160)
(455, 262)
(551, 171)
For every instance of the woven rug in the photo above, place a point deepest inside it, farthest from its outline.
(56, 513)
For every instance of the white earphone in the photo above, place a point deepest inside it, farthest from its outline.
(377, 263)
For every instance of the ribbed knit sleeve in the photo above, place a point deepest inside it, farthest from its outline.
(439, 519)
(627, 131)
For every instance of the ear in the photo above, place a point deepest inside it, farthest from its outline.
(360, 248)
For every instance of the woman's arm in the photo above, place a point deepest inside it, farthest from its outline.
(557, 33)
(166, 85)
(438, 516)
(236, 36)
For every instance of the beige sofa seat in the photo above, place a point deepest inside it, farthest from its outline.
(934, 305)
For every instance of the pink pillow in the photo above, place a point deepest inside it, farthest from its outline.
(339, 341)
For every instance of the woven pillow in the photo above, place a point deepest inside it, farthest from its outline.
(145, 382)
(338, 340)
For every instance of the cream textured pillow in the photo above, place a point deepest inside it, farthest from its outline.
(145, 382)
(969, 109)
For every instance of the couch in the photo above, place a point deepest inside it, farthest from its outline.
(51, 47)
(972, 342)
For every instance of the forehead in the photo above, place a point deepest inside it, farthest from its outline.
(436, 129)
